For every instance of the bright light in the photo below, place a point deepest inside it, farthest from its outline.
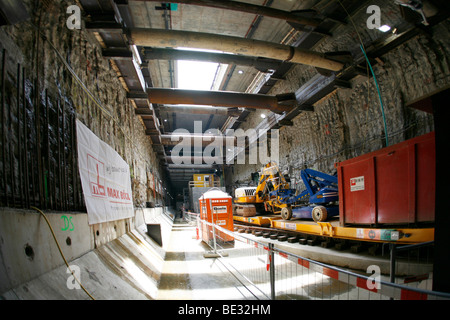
(384, 28)
(196, 75)
(263, 115)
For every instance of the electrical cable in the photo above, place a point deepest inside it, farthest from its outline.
(373, 73)
(379, 95)
(60, 251)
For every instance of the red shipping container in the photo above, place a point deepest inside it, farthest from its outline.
(393, 185)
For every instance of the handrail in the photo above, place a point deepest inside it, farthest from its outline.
(286, 254)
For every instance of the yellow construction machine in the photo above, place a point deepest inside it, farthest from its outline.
(249, 201)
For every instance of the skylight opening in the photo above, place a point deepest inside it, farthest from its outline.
(198, 75)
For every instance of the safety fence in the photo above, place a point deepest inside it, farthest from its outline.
(273, 273)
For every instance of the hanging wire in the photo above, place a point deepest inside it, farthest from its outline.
(379, 95)
(373, 73)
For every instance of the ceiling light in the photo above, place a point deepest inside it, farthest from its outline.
(384, 28)
(240, 71)
(263, 115)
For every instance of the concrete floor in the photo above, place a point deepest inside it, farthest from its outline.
(134, 267)
(188, 275)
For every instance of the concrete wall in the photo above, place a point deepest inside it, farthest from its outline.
(348, 122)
(31, 266)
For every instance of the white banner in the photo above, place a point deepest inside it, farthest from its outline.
(105, 179)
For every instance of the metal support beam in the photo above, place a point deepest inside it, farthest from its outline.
(193, 139)
(189, 109)
(200, 159)
(160, 38)
(191, 166)
(216, 98)
(261, 64)
(295, 17)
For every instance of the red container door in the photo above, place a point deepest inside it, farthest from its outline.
(356, 193)
(426, 181)
(394, 185)
(393, 182)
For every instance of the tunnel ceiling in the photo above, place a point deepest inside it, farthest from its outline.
(296, 25)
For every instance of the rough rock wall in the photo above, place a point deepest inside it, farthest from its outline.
(348, 122)
(102, 105)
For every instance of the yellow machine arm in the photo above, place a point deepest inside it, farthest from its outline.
(271, 179)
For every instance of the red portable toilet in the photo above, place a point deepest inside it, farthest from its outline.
(216, 207)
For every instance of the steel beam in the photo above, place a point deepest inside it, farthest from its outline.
(294, 17)
(261, 64)
(191, 166)
(161, 38)
(216, 98)
(189, 109)
(202, 159)
(194, 139)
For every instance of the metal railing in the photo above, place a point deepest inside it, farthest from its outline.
(204, 184)
(273, 273)
(416, 262)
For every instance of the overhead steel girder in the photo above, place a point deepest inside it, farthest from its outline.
(160, 38)
(260, 64)
(293, 16)
(232, 112)
(199, 159)
(191, 166)
(277, 104)
(196, 139)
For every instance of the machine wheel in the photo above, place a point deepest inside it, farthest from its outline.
(319, 214)
(286, 213)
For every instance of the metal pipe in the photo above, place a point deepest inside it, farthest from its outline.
(25, 141)
(261, 64)
(19, 139)
(190, 166)
(48, 191)
(216, 98)
(393, 258)
(272, 271)
(250, 8)
(175, 38)
(201, 159)
(74, 161)
(5, 189)
(58, 139)
(65, 178)
(181, 139)
(11, 157)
